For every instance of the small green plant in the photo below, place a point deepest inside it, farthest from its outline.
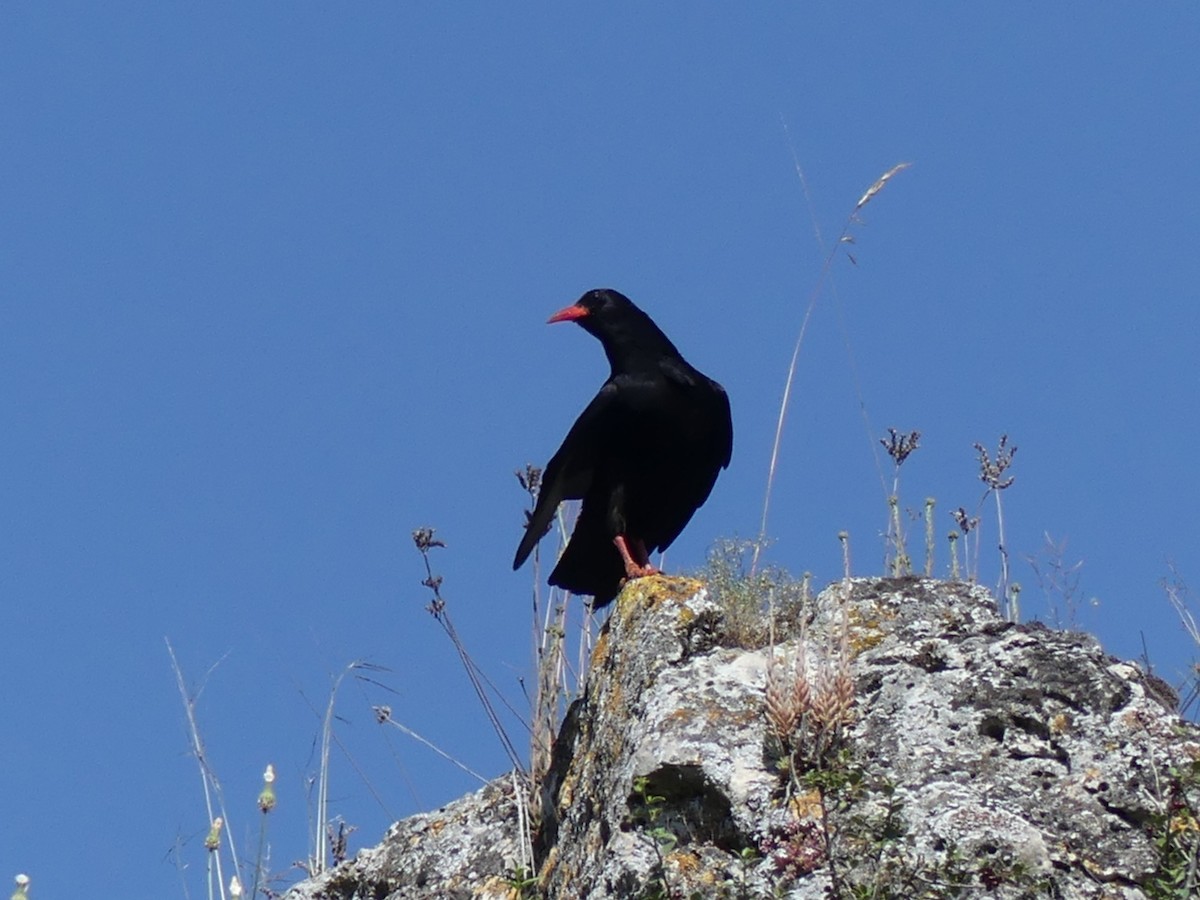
(1175, 831)
(652, 812)
(522, 882)
(748, 859)
(758, 606)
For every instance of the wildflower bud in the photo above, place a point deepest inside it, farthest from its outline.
(235, 887)
(266, 799)
(22, 886)
(213, 841)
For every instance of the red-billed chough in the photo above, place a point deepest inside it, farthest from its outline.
(642, 456)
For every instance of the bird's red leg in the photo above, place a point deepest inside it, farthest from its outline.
(635, 567)
(648, 568)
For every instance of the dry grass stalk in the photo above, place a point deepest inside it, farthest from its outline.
(425, 541)
(213, 796)
(843, 238)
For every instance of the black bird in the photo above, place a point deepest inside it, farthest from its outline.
(643, 456)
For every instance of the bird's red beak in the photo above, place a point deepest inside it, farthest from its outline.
(567, 315)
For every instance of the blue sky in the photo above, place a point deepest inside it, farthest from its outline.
(273, 290)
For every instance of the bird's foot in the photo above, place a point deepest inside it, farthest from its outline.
(637, 571)
(633, 554)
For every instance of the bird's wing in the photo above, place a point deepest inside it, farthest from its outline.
(721, 447)
(569, 472)
(725, 418)
(710, 452)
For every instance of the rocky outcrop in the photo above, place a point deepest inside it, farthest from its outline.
(909, 742)
(470, 848)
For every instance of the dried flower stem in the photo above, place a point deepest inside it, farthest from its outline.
(930, 502)
(843, 238)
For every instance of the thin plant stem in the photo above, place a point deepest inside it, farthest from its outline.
(384, 715)
(317, 859)
(212, 787)
(425, 541)
(814, 294)
(929, 539)
(1014, 612)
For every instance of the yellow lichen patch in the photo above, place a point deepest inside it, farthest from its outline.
(807, 806)
(684, 861)
(867, 631)
(600, 651)
(673, 587)
(437, 825)
(550, 863)
(631, 600)
(566, 790)
(614, 699)
(652, 590)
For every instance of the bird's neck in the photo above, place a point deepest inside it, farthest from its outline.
(637, 347)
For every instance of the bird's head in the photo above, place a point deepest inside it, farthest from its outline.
(593, 308)
(631, 340)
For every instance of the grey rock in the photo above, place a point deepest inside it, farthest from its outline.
(466, 849)
(979, 758)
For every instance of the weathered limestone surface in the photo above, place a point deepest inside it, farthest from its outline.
(983, 759)
(458, 852)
